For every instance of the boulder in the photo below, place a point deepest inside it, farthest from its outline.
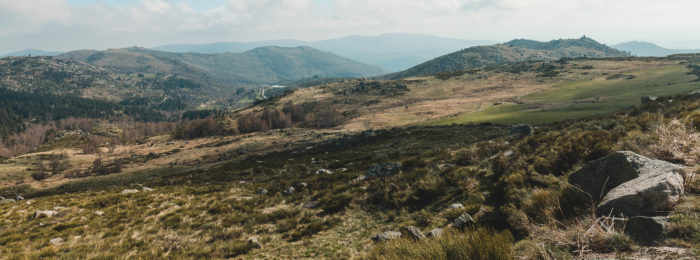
(129, 191)
(412, 233)
(99, 213)
(262, 191)
(646, 230)
(648, 195)
(523, 129)
(45, 213)
(386, 236)
(146, 189)
(464, 221)
(647, 99)
(384, 169)
(300, 186)
(288, 191)
(254, 243)
(456, 206)
(434, 233)
(18, 198)
(600, 176)
(56, 241)
(323, 171)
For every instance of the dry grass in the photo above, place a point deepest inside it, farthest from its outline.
(676, 142)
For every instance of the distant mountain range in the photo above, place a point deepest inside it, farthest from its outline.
(264, 65)
(511, 52)
(31, 52)
(392, 52)
(637, 48)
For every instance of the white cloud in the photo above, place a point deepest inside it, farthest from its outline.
(56, 25)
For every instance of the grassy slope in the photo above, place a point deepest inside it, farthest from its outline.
(581, 98)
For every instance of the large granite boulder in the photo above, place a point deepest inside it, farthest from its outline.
(598, 177)
(464, 221)
(413, 233)
(648, 195)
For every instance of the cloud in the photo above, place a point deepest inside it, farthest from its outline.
(58, 25)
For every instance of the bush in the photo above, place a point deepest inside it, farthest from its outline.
(336, 203)
(40, 175)
(473, 244)
(200, 128)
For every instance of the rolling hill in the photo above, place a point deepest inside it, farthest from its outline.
(392, 52)
(649, 49)
(511, 52)
(264, 65)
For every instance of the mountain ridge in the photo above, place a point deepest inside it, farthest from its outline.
(641, 48)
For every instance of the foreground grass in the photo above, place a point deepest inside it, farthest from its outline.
(472, 244)
(582, 98)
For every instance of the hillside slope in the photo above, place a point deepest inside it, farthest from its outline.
(392, 52)
(264, 65)
(511, 52)
(649, 49)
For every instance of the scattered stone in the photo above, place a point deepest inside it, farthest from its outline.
(508, 153)
(323, 171)
(456, 206)
(300, 186)
(146, 189)
(129, 191)
(413, 233)
(600, 176)
(646, 230)
(385, 236)
(56, 241)
(262, 191)
(4, 201)
(384, 169)
(18, 198)
(45, 213)
(647, 99)
(694, 92)
(311, 205)
(434, 233)
(464, 221)
(99, 213)
(523, 129)
(288, 191)
(254, 243)
(360, 178)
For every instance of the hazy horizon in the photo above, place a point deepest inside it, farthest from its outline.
(63, 25)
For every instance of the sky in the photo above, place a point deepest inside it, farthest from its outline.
(61, 25)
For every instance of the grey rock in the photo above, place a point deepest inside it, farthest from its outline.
(323, 171)
(56, 241)
(300, 186)
(694, 92)
(146, 189)
(129, 191)
(464, 221)
(413, 233)
(646, 230)
(45, 213)
(288, 191)
(456, 206)
(254, 243)
(311, 205)
(523, 129)
(600, 176)
(386, 236)
(18, 198)
(384, 169)
(650, 194)
(99, 213)
(434, 233)
(262, 191)
(647, 99)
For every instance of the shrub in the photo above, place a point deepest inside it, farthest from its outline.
(473, 244)
(336, 203)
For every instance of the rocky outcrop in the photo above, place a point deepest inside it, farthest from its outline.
(523, 129)
(413, 233)
(598, 177)
(384, 169)
(386, 236)
(464, 221)
(648, 195)
(434, 233)
(646, 230)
